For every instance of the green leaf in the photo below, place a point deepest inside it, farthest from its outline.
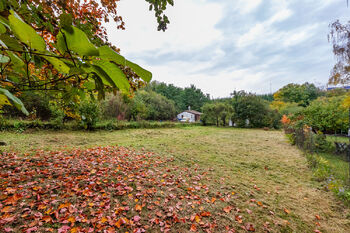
(25, 33)
(2, 28)
(4, 59)
(4, 21)
(76, 70)
(14, 100)
(11, 42)
(77, 41)
(144, 74)
(106, 53)
(16, 61)
(117, 76)
(66, 22)
(58, 64)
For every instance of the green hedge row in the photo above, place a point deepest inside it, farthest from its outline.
(22, 125)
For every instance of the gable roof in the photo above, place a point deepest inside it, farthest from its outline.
(194, 112)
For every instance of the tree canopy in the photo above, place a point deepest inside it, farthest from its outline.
(301, 94)
(61, 47)
(183, 97)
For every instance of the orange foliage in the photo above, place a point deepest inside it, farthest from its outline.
(285, 120)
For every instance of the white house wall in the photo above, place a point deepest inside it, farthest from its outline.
(187, 115)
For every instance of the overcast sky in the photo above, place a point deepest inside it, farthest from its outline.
(226, 45)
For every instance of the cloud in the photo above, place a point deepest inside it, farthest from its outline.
(192, 27)
(223, 45)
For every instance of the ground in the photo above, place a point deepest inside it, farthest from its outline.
(192, 179)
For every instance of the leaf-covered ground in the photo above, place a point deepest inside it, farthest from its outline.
(199, 180)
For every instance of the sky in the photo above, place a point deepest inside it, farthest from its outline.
(226, 45)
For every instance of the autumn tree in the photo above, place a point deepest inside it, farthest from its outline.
(61, 47)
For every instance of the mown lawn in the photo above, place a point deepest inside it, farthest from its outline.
(202, 178)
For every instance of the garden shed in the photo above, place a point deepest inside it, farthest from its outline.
(189, 116)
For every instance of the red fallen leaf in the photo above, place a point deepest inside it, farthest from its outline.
(317, 217)
(192, 218)
(286, 211)
(63, 229)
(65, 205)
(12, 200)
(119, 223)
(136, 218)
(193, 228)
(138, 207)
(205, 214)
(228, 209)
(249, 227)
(317, 231)
(159, 214)
(29, 230)
(11, 190)
(259, 203)
(7, 218)
(8, 229)
(47, 219)
(239, 219)
(7, 209)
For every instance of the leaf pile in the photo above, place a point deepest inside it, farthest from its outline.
(114, 189)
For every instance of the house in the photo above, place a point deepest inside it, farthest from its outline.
(189, 115)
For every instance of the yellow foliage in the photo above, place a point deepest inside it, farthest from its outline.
(4, 101)
(277, 95)
(346, 102)
(278, 105)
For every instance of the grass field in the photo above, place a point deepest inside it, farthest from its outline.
(266, 180)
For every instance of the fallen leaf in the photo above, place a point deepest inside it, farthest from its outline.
(193, 228)
(228, 209)
(138, 207)
(205, 214)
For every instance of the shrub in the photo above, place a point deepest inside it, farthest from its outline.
(115, 107)
(321, 142)
(253, 108)
(327, 114)
(322, 170)
(89, 113)
(4, 124)
(57, 117)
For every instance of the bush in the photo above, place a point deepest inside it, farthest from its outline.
(320, 166)
(57, 117)
(115, 107)
(322, 170)
(321, 143)
(327, 114)
(36, 103)
(89, 113)
(4, 124)
(253, 108)
(152, 106)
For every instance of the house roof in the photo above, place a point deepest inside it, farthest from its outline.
(193, 112)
